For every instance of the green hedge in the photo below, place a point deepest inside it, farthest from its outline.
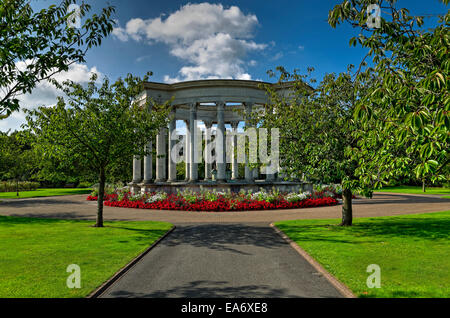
(11, 186)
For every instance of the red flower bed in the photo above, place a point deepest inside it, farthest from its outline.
(107, 197)
(175, 202)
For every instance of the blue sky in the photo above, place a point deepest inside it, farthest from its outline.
(296, 33)
(180, 40)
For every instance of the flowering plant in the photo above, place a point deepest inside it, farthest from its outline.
(135, 197)
(295, 197)
(189, 195)
(158, 196)
(188, 200)
(336, 189)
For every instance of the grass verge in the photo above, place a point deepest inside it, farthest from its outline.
(43, 193)
(413, 252)
(415, 190)
(35, 253)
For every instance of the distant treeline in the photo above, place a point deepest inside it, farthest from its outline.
(11, 186)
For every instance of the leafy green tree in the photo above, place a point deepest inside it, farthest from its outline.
(55, 172)
(5, 156)
(315, 129)
(36, 45)
(121, 171)
(406, 116)
(18, 160)
(98, 126)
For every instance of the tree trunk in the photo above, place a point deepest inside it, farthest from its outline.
(423, 186)
(347, 213)
(101, 195)
(17, 187)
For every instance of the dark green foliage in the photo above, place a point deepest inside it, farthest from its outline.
(97, 128)
(406, 116)
(36, 45)
(315, 127)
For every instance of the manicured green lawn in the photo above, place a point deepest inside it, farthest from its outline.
(415, 190)
(35, 253)
(43, 193)
(413, 252)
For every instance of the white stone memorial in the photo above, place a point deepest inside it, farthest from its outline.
(205, 108)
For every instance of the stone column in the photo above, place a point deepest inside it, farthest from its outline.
(208, 156)
(220, 143)
(249, 176)
(193, 174)
(172, 142)
(148, 164)
(186, 152)
(161, 156)
(137, 173)
(234, 161)
(255, 173)
(270, 175)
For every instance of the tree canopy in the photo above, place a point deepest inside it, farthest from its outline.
(36, 45)
(17, 157)
(387, 119)
(98, 126)
(406, 116)
(316, 128)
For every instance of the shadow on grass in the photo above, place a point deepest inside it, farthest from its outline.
(13, 220)
(145, 233)
(27, 202)
(43, 193)
(423, 228)
(373, 230)
(390, 198)
(6, 221)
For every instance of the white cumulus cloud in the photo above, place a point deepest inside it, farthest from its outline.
(212, 40)
(45, 93)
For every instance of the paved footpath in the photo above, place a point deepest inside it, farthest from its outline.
(222, 260)
(224, 254)
(76, 207)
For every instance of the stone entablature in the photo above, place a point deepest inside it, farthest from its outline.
(208, 91)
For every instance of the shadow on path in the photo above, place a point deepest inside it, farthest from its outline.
(209, 289)
(223, 236)
(222, 260)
